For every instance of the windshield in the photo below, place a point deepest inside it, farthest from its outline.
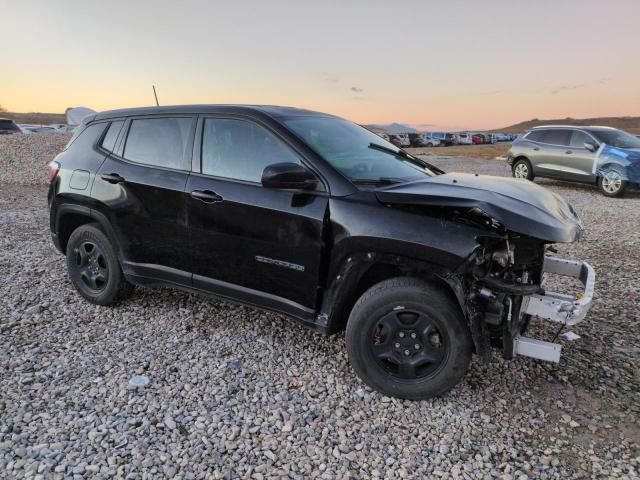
(616, 138)
(360, 155)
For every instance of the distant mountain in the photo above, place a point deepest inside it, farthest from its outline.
(628, 124)
(392, 127)
(35, 117)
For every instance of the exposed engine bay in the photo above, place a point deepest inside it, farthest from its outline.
(502, 278)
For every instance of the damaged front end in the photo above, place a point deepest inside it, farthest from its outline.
(503, 286)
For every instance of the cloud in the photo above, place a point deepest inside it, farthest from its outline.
(329, 78)
(567, 87)
(357, 90)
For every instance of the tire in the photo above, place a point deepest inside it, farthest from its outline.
(429, 144)
(408, 339)
(522, 169)
(611, 184)
(93, 267)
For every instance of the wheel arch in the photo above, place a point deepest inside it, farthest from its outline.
(70, 216)
(364, 270)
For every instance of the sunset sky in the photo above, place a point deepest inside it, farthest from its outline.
(431, 64)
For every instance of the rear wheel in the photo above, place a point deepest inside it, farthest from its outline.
(611, 183)
(522, 169)
(408, 339)
(94, 268)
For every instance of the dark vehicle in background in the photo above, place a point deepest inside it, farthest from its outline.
(9, 127)
(395, 140)
(319, 219)
(416, 140)
(602, 156)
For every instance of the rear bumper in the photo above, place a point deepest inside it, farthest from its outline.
(556, 307)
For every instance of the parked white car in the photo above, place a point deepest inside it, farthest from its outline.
(465, 138)
(429, 140)
(404, 139)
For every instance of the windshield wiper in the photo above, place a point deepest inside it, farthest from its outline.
(379, 181)
(403, 154)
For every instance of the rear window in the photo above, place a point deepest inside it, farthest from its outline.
(8, 125)
(159, 142)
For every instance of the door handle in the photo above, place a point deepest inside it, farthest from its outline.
(536, 148)
(206, 196)
(568, 152)
(112, 178)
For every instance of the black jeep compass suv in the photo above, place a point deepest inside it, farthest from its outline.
(315, 217)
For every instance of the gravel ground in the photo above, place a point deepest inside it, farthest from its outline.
(24, 158)
(234, 392)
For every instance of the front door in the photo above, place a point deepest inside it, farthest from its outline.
(578, 159)
(259, 245)
(140, 187)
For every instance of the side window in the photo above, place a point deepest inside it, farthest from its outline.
(109, 141)
(557, 137)
(579, 138)
(240, 150)
(536, 135)
(158, 141)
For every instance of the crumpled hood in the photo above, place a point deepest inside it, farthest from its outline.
(520, 206)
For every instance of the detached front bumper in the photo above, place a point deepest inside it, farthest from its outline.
(556, 307)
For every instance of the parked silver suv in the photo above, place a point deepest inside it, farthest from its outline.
(604, 156)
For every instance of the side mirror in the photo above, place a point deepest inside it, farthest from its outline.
(288, 175)
(590, 146)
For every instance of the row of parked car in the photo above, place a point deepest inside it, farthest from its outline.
(445, 139)
(9, 127)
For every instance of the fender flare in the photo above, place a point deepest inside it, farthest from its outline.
(341, 287)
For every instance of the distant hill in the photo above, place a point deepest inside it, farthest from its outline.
(628, 124)
(391, 127)
(35, 117)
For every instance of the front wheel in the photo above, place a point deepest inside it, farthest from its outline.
(408, 339)
(611, 183)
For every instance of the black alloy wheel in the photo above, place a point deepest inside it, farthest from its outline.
(408, 344)
(90, 266)
(94, 267)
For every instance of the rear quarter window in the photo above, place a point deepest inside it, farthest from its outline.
(87, 138)
(109, 140)
(536, 135)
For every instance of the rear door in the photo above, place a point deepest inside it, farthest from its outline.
(552, 153)
(259, 245)
(140, 188)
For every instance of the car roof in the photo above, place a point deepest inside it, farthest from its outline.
(590, 127)
(270, 110)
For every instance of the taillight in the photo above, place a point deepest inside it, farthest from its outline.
(54, 168)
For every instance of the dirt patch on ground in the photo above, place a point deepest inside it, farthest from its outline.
(470, 151)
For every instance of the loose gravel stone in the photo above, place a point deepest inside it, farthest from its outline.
(238, 393)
